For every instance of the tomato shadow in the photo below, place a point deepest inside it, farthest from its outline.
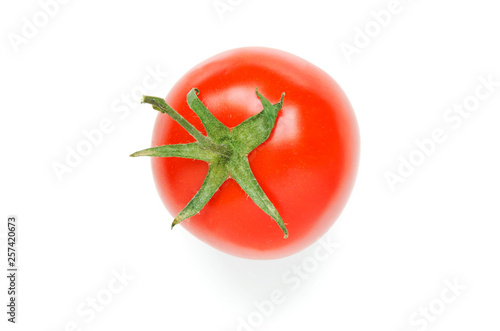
(246, 281)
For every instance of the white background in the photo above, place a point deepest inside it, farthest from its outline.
(398, 249)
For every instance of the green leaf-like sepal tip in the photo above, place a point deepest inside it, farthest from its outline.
(225, 150)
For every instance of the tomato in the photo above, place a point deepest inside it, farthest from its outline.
(307, 166)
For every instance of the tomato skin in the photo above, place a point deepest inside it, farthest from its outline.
(307, 167)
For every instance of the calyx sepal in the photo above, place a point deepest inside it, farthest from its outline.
(225, 150)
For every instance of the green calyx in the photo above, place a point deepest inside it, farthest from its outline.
(225, 150)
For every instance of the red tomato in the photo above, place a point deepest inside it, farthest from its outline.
(307, 167)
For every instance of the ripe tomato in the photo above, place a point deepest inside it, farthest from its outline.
(306, 167)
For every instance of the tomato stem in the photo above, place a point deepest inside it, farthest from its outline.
(225, 150)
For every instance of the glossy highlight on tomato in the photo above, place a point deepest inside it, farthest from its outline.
(307, 166)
